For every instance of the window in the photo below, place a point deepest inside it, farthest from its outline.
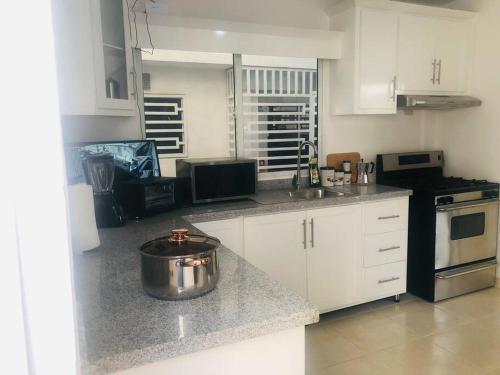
(164, 122)
(280, 111)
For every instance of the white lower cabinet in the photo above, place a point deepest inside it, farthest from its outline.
(383, 281)
(229, 232)
(384, 248)
(333, 257)
(277, 245)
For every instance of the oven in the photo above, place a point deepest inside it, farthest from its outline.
(466, 232)
(466, 247)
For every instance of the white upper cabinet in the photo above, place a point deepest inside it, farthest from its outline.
(363, 80)
(391, 48)
(453, 51)
(416, 60)
(434, 54)
(94, 57)
(377, 60)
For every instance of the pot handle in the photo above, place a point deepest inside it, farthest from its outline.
(193, 262)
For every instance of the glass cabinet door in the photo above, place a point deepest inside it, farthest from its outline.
(116, 54)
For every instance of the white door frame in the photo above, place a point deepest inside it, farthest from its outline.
(38, 331)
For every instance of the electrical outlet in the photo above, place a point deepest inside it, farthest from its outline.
(153, 7)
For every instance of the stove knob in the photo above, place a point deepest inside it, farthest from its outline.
(444, 200)
(490, 194)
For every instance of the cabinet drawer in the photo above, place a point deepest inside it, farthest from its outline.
(385, 216)
(385, 280)
(384, 248)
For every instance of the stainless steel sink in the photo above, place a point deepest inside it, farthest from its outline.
(315, 193)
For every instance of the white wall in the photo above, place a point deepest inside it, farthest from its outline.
(205, 106)
(470, 137)
(100, 128)
(292, 13)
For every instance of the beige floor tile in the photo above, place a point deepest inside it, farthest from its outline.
(475, 305)
(423, 318)
(474, 342)
(423, 357)
(325, 349)
(367, 365)
(494, 372)
(371, 332)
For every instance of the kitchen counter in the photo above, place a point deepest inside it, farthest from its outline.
(121, 327)
(279, 201)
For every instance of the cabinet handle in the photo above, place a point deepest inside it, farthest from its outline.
(388, 217)
(312, 232)
(304, 234)
(388, 280)
(433, 79)
(393, 82)
(389, 249)
(438, 79)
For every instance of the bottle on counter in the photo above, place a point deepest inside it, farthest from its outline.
(314, 180)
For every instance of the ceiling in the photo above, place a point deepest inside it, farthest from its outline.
(300, 13)
(324, 4)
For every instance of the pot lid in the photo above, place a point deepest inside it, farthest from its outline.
(180, 244)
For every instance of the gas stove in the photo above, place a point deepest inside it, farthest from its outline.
(423, 172)
(452, 239)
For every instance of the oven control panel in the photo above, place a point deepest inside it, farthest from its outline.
(469, 196)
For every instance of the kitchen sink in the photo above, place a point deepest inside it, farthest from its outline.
(305, 194)
(315, 193)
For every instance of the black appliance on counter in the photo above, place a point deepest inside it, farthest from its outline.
(145, 197)
(219, 179)
(133, 177)
(99, 171)
(452, 239)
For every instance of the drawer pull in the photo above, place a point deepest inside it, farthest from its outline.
(388, 280)
(389, 249)
(388, 217)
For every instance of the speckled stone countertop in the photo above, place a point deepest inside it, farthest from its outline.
(121, 327)
(279, 201)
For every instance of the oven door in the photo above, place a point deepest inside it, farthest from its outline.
(466, 232)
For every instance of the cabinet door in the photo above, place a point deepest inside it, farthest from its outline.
(416, 56)
(452, 47)
(229, 232)
(113, 55)
(334, 260)
(276, 245)
(378, 42)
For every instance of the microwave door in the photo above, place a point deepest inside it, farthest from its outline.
(466, 232)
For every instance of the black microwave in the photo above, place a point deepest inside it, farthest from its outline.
(220, 179)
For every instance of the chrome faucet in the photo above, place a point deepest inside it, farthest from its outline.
(296, 178)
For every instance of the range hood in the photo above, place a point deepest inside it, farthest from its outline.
(438, 102)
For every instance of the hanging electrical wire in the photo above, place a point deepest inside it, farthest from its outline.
(134, 69)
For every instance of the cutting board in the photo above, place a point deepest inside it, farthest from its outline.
(335, 160)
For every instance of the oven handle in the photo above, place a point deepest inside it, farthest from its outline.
(444, 277)
(457, 206)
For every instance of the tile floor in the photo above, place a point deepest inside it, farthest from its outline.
(457, 336)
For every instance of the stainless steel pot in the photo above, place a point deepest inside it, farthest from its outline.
(179, 266)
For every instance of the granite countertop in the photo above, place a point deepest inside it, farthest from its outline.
(121, 327)
(279, 201)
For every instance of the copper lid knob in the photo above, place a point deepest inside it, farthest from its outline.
(179, 236)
